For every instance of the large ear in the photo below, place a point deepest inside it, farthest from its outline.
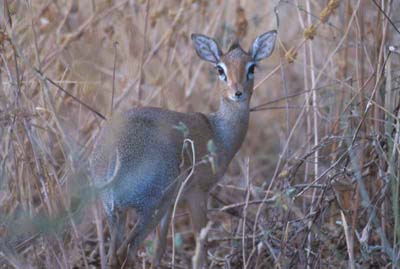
(263, 46)
(206, 48)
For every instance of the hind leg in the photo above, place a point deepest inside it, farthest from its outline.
(161, 239)
(155, 200)
(144, 224)
(117, 221)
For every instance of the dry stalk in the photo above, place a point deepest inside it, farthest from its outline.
(196, 259)
(180, 192)
(349, 241)
(245, 208)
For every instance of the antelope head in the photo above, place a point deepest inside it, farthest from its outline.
(235, 67)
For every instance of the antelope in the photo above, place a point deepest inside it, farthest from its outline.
(139, 158)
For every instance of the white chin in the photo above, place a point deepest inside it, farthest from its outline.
(236, 99)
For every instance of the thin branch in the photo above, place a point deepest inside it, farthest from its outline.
(386, 16)
(43, 77)
(113, 78)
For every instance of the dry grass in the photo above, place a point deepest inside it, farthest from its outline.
(316, 183)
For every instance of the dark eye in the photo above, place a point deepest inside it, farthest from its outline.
(250, 71)
(221, 72)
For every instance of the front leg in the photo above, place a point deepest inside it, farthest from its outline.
(197, 201)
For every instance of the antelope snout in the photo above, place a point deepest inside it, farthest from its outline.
(237, 93)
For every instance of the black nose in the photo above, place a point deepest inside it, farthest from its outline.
(238, 93)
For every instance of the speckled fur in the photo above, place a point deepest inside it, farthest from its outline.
(148, 147)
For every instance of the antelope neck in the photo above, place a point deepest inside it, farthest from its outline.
(230, 125)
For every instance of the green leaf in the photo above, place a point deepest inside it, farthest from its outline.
(149, 244)
(178, 240)
(211, 147)
(182, 127)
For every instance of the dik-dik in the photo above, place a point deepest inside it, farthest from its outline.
(139, 158)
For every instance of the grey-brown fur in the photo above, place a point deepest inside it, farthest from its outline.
(137, 159)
